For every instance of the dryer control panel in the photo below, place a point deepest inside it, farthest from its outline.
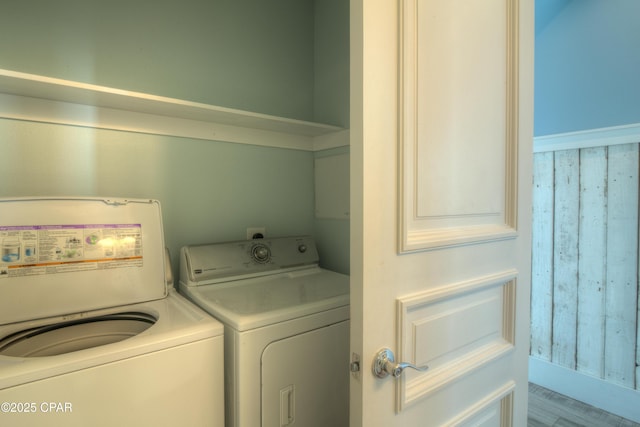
(221, 262)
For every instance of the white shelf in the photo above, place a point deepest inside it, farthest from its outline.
(45, 99)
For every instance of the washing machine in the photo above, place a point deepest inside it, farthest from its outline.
(286, 324)
(91, 330)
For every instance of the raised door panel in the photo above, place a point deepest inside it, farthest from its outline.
(458, 122)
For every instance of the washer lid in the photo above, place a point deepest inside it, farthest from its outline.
(68, 255)
(260, 301)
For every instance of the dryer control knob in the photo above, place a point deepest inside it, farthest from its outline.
(261, 253)
(302, 248)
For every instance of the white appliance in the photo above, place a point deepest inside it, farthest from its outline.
(91, 332)
(286, 329)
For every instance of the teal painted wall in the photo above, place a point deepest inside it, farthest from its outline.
(331, 105)
(587, 65)
(209, 191)
(331, 62)
(333, 234)
(247, 54)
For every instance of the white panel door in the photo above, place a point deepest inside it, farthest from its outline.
(441, 133)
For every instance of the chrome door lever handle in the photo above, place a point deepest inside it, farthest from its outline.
(384, 364)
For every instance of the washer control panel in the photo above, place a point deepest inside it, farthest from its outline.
(222, 261)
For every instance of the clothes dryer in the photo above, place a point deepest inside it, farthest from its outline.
(286, 329)
(91, 331)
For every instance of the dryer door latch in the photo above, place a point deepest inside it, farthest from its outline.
(354, 366)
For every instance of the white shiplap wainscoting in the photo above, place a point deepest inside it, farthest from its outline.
(584, 301)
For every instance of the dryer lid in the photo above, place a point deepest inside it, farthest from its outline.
(67, 255)
(261, 301)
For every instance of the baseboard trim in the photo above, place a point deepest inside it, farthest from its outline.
(618, 400)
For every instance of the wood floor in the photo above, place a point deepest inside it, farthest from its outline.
(550, 409)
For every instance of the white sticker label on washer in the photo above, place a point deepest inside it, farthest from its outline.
(48, 249)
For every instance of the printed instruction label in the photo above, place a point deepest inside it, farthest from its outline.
(48, 249)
